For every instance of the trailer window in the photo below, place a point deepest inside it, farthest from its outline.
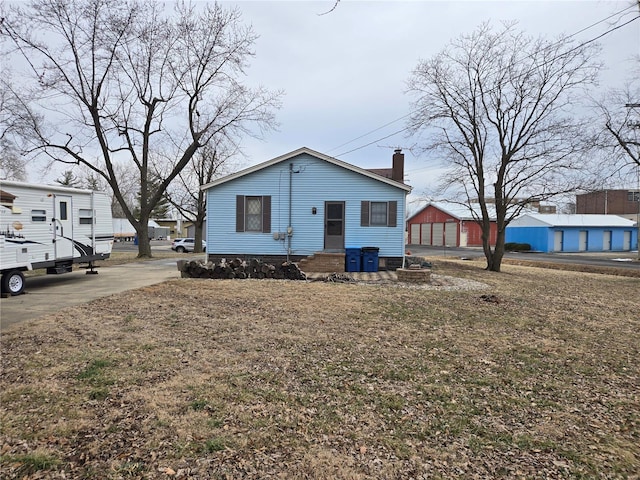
(86, 216)
(63, 211)
(38, 215)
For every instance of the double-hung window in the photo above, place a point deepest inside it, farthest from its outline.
(253, 213)
(378, 214)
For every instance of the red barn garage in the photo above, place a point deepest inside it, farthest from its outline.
(448, 224)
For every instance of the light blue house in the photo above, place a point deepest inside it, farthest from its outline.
(305, 202)
(573, 233)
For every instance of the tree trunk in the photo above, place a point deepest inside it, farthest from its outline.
(485, 225)
(197, 247)
(144, 243)
(199, 223)
(488, 253)
(199, 233)
(494, 258)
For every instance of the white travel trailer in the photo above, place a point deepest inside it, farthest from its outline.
(52, 227)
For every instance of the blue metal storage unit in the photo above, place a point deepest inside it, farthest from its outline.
(574, 233)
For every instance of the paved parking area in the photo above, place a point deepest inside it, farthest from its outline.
(50, 293)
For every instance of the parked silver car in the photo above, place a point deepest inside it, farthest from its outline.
(185, 245)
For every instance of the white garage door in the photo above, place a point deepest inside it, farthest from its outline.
(451, 234)
(426, 233)
(438, 231)
(414, 236)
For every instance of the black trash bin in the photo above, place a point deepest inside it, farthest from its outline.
(352, 259)
(370, 259)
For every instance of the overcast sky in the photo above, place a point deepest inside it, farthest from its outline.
(345, 73)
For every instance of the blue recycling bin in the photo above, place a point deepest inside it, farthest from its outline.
(370, 259)
(352, 259)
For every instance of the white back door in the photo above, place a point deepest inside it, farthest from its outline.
(463, 238)
(63, 225)
(583, 241)
(558, 241)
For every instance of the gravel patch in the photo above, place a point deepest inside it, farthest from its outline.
(438, 281)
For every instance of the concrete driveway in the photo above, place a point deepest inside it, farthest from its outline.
(50, 293)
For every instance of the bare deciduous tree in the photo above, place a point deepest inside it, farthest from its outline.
(12, 166)
(121, 81)
(499, 107)
(13, 130)
(618, 116)
(211, 162)
(618, 133)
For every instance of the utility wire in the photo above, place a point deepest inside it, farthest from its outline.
(372, 131)
(525, 73)
(598, 37)
(371, 143)
(602, 21)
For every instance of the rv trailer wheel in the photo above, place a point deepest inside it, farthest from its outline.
(13, 282)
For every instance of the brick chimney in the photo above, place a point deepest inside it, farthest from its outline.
(397, 170)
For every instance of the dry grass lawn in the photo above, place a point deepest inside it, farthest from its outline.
(534, 376)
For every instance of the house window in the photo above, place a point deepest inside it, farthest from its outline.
(38, 215)
(86, 216)
(633, 196)
(253, 214)
(378, 214)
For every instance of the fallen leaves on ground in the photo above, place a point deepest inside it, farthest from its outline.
(281, 379)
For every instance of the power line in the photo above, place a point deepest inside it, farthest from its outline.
(598, 37)
(525, 73)
(602, 21)
(377, 140)
(369, 133)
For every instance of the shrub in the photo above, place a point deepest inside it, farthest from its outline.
(517, 247)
